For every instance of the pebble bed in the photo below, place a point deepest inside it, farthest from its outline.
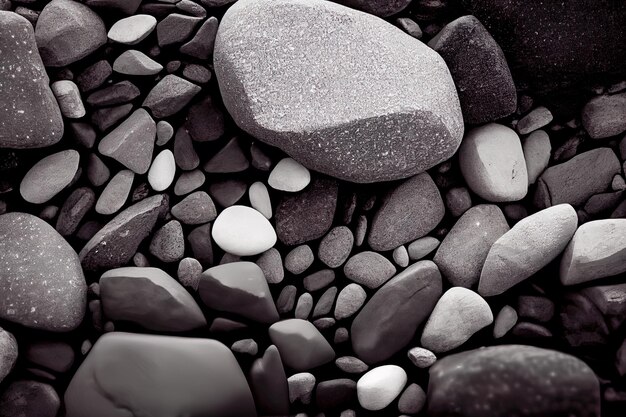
(311, 208)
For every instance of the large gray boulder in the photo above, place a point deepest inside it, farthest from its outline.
(341, 91)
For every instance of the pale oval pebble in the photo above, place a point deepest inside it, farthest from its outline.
(133, 29)
(162, 171)
(289, 175)
(380, 386)
(260, 199)
(243, 231)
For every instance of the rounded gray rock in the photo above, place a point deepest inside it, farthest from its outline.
(369, 268)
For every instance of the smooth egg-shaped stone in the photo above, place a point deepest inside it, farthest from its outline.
(243, 231)
(49, 176)
(492, 163)
(133, 29)
(289, 175)
(380, 386)
(162, 171)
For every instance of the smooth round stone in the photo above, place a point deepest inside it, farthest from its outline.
(537, 151)
(26, 122)
(389, 320)
(68, 31)
(350, 300)
(301, 345)
(412, 400)
(168, 243)
(260, 199)
(162, 171)
(492, 163)
(196, 208)
(380, 386)
(8, 353)
(336, 246)
(245, 346)
(29, 398)
(299, 259)
(370, 269)
(243, 231)
(319, 279)
(115, 193)
(603, 116)
(301, 387)
(49, 176)
(289, 175)
(459, 314)
(160, 376)
(304, 306)
(529, 246)
(41, 279)
(422, 247)
(286, 299)
(271, 263)
(408, 116)
(325, 304)
(68, 97)
(505, 320)
(351, 365)
(401, 256)
(165, 132)
(132, 62)
(597, 250)
(52, 355)
(133, 29)
(458, 201)
(189, 272)
(543, 382)
(462, 253)
(422, 358)
(188, 182)
(409, 211)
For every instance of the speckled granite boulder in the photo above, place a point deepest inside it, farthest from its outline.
(159, 376)
(543, 43)
(25, 122)
(365, 103)
(41, 281)
(504, 380)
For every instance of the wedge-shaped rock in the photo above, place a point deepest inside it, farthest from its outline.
(409, 211)
(149, 297)
(116, 243)
(268, 383)
(529, 246)
(41, 281)
(239, 288)
(597, 250)
(459, 314)
(365, 103)
(502, 380)
(301, 345)
(388, 321)
(159, 376)
(29, 116)
(132, 142)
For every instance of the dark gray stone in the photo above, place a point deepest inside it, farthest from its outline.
(301, 345)
(268, 383)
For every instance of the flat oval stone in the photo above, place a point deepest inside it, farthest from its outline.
(128, 294)
(597, 250)
(41, 280)
(301, 345)
(160, 376)
(132, 62)
(537, 151)
(26, 122)
(133, 29)
(289, 175)
(462, 253)
(543, 382)
(68, 31)
(389, 320)
(380, 386)
(162, 171)
(492, 162)
(49, 176)
(336, 246)
(349, 301)
(529, 246)
(260, 199)
(409, 211)
(505, 321)
(459, 314)
(115, 193)
(408, 116)
(239, 288)
(114, 245)
(243, 231)
(369, 268)
(576, 180)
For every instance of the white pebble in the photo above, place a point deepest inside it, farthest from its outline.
(162, 171)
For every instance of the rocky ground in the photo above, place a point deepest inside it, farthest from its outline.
(294, 207)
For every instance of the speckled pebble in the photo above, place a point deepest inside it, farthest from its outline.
(421, 357)
(350, 300)
(299, 259)
(189, 272)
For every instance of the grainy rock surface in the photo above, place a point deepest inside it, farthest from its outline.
(416, 127)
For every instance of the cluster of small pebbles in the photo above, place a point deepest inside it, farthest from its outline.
(311, 208)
